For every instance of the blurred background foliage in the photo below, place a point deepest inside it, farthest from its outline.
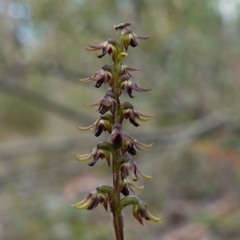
(192, 64)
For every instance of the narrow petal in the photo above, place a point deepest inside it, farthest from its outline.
(142, 37)
(96, 47)
(85, 205)
(143, 144)
(91, 127)
(134, 186)
(143, 115)
(81, 203)
(143, 175)
(83, 158)
(151, 217)
(85, 79)
(133, 69)
(86, 202)
(139, 89)
(92, 105)
(133, 176)
(92, 49)
(143, 119)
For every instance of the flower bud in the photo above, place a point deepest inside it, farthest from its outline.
(129, 38)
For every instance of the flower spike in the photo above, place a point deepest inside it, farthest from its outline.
(120, 147)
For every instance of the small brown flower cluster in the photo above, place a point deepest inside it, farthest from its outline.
(119, 148)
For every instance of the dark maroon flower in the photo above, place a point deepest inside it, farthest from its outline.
(127, 85)
(103, 150)
(102, 76)
(130, 144)
(128, 112)
(106, 103)
(131, 169)
(92, 201)
(100, 154)
(104, 123)
(111, 46)
(140, 211)
(124, 189)
(124, 69)
(117, 135)
(126, 185)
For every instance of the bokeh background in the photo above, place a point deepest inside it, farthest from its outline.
(192, 64)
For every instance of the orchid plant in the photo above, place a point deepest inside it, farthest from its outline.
(119, 148)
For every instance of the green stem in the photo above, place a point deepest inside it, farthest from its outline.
(117, 217)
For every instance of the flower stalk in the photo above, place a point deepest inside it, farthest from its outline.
(120, 147)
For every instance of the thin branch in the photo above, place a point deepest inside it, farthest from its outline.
(42, 101)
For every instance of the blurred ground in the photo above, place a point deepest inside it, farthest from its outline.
(191, 62)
